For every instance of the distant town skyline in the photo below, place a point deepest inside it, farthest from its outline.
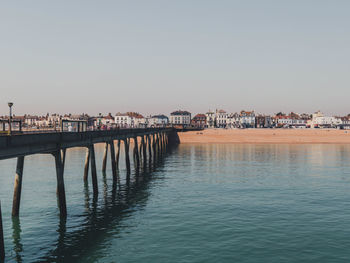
(159, 56)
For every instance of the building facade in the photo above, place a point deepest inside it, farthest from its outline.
(180, 118)
(199, 121)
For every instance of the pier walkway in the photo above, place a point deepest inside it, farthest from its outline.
(149, 144)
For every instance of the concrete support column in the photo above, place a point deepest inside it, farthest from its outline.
(164, 143)
(158, 145)
(154, 144)
(127, 157)
(113, 163)
(60, 184)
(63, 156)
(86, 167)
(93, 170)
(141, 151)
(104, 161)
(117, 155)
(136, 154)
(2, 243)
(161, 142)
(18, 186)
(149, 147)
(144, 151)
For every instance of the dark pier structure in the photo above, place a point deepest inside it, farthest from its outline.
(149, 145)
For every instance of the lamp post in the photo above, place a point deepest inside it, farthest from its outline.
(10, 104)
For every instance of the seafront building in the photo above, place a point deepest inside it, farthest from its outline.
(263, 121)
(199, 121)
(159, 120)
(247, 119)
(320, 121)
(211, 119)
(180, 117)
(129, 120)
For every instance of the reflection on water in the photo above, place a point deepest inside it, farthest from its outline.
(118, 197)
(202, 203)
(98, 220)
(17, 245)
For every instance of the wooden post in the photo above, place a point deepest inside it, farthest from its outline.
(141, 151)
(117, 155)
(18, 186)
(136, 153)
(161, 142)
(149, 147)
(104, 162)
(154, 144)
(2, 243)
(158, 145)
(63, 157)
(127, 157)
(60, 185)
(164, 139)
(114, 165)
(93, 170)
(144, 152)
(86, 167)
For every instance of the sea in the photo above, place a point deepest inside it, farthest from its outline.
(198, 203)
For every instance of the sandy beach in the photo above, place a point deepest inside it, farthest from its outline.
(295, 136)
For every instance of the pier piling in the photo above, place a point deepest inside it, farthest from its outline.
(154, 148)
(136, 154)
(2, 244)
(127, 157)
(144, 150)
(113, 163)
(63, 157)
(117, 156)
(158, 144)
(18, 186)
(148, 142)
(86, 166)
(60, 184)
(104, 162)
(93, 170)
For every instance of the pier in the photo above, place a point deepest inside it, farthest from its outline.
(149, 144)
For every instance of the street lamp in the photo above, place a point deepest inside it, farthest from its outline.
(10, 104)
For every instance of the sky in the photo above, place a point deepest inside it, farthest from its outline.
(154, 57)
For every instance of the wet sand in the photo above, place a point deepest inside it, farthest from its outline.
(286, 136)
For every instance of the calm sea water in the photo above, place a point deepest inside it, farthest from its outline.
(203, 203)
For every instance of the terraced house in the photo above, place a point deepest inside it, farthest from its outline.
(247, 119)
(180, 117)
(200, 121)
(221, 118)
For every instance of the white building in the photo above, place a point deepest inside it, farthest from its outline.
(30, 120)
(221, 118)
(107, 120)
(321, 121)
(288, 121)
(180, 118)
(158, 121)
(122, 120)
(247, 119)
(129, 120)
(210, 119)
(233, 121)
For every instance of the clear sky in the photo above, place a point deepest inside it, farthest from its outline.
(158, 56)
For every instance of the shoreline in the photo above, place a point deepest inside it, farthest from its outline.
(266, 136)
